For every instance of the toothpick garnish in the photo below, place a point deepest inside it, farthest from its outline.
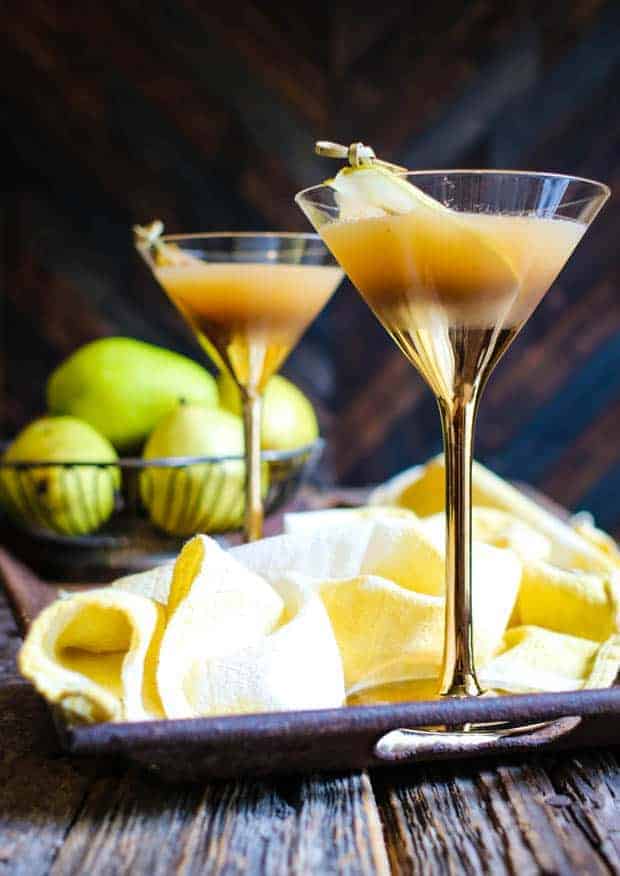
(149, 238)
(357, 154)
(149, 235)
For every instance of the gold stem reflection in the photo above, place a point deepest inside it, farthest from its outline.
(253, 524)
(458, 673)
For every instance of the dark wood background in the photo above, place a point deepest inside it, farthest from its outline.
(119, 112)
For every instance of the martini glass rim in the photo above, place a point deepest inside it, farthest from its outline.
(257, 235)
(603, 188)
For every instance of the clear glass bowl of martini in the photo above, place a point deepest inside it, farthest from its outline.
(248, 297)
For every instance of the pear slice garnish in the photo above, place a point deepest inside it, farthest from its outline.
(374, 191)
(370, 188)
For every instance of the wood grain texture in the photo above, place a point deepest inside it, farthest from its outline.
(207, 118)
(508, 819)
(40, 792)
(313, 826)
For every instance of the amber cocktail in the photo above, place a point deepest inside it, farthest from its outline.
(249, 298)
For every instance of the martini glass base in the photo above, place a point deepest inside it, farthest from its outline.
(466, 687)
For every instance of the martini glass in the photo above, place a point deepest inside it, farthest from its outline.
(248, 298)
(453, 280)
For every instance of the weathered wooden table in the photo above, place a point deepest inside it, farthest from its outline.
(558, 815)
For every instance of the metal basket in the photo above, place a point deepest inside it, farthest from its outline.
(108, 517)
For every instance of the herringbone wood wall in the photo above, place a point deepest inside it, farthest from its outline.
(204, 115)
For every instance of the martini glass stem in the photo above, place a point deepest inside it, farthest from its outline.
(458, 421)
(252, 408)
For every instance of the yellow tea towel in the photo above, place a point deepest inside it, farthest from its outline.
(535, 659)
(217, 640)
(95, 655)
(421, 490)
(387, 632)
(498, 528)
(345, 604)
(578, 603)
(388, 618)
(235, 644)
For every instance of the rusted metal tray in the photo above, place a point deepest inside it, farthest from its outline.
(329, 740)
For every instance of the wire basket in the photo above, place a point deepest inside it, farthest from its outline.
(106, 518)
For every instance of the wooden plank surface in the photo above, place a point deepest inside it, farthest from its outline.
(64, 816)
(296, 826)
(550, 815)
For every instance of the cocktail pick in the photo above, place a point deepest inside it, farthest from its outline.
(149, 238)
(357, 154)
(149, 235)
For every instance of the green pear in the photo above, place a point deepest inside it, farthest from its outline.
(123, 387)
(201, 497)
(288, 420)
(72, 500)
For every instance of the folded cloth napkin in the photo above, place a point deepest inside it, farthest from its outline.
(579, 546)
(346, 605)
(382, 583)
(206, 636)
(578, 603)
(569, 597)
(498, 528)
(536, 659)
(95, 655)
(388, 620)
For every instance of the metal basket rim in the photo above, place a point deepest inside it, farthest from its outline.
(137, 462)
